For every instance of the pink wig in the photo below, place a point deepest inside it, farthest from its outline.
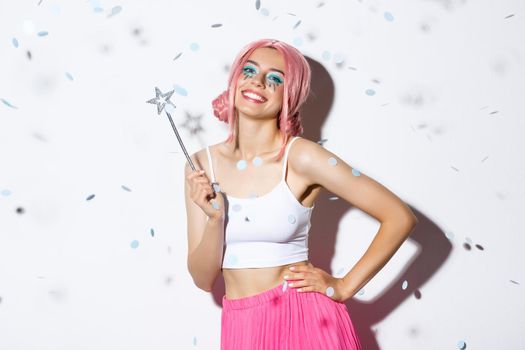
(296, 90)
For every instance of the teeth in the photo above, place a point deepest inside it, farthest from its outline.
(254, 96)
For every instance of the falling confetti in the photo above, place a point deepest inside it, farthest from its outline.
(42, 33)
(297, 24)
(257, 161)
(449, 235)
(265, 12)
(339, 58)
(509, 16)
(125, 188)
(332, 161)
(194, 340)
(285, 286)
(152, 232)
(356, 172)
(232, 259)
(216, 25)
(216, 187)
(170, 108)
(178, 55)
(320, 4)
(467, 246)
(215, 205)
(194, 47)
(461, 345)
(241, 164)
(257, 4)
(291, 219)
(8, 104)
(5, 192)
(28, 53)
(404, 285)
(330, 291)
(514, 282)
(333, 198)
(69, 76)
(134, 244)
(388, 16)
(297, 41)
(370, 92)
(90, 197)
(326, 55)
(20, 210)
(114, 11)
(480, 247)
(237, 207)
(361, 292)
(180, 90)
(15, 42)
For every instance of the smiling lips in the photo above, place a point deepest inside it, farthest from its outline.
(252, 96)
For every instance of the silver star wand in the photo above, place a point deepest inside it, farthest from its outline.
(163, 103)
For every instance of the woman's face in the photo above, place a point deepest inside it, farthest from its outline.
(260, 85)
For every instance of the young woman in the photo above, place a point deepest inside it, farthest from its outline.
(253, 223)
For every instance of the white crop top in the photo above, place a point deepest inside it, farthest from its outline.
(268, 230)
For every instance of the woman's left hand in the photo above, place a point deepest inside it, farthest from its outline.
(314, 279)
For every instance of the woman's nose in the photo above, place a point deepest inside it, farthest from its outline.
(257, 81)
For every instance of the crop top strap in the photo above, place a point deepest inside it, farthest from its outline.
(285, 162)
(211, 164)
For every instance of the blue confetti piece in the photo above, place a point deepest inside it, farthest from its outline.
(8, 104)
(180, 90)
(69, 76)
(404, 285)
(339, 58)
(152, 232)
(388, 16)
(5, 192)
(194, 47)
(90, 197)
(125, 188)
(115, 10)
(194, 340)
(15, 42)
(265, 12)
(461, 345)
(237, 207)
(215, 205)
(98, 9)
(332, 161)
(134, 244)
(257, 161)
(297, 41)
(241, 164)
(370, 92)
(42, 33)
(361, 292)
(356, 172)
(341, 271)
(326, 55)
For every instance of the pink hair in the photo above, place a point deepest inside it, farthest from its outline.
(296, 90)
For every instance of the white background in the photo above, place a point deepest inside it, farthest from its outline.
(444, 131)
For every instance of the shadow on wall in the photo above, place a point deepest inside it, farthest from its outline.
(434, 246)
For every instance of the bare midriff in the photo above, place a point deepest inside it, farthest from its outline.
(240, 283)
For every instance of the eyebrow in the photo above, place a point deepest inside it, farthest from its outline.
(275, 69)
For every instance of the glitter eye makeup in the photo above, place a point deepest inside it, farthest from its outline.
(273, 79)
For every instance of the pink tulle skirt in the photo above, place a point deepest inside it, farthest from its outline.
(284, 319)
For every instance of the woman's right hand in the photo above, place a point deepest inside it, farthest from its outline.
(201, 192)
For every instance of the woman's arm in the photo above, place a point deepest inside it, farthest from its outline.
(322, 167)
(205, 241)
